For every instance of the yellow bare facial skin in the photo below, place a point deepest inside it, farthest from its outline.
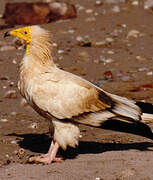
(23, 33)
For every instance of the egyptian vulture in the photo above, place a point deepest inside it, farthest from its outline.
(62, 97)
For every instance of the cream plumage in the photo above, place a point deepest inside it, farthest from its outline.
(62, 97)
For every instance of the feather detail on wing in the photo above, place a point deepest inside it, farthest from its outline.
(71, 97)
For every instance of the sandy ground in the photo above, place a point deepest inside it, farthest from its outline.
(116, 54)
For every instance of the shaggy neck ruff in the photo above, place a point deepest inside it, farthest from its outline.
(40, 48)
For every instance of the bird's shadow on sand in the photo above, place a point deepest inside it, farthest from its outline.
(40, 142)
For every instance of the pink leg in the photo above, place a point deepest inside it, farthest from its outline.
(49, 157)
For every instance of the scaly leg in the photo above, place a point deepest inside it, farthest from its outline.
(49, 157)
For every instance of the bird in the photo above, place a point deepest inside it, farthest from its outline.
(63, 98)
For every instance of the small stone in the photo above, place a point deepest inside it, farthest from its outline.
(99, 44)
(79, 38)
(88, 11)
(98, 2)
(149, 73)
(95, 14)
(71, 31)
(54, 44)
(148, 4)
(3, 120)
(110, 40)
(108, 75)
(11, 94)
(23, 102)
(124, 25)
(90, 19)
(4, 87)
(60, 51)
(33, 125)
(14, 61)
(15, 152)
(80, 8)
(125, 78)
(105, 60)
(110, 52)
(14, 142)
(11, 84)
(116, 9)
(7, 156)
(97, 178)
(13, 113)
(135, 3)
(83, 56)
(133, 33)
(96, 61)
(141, 59)
(21, 151)
(142, 69)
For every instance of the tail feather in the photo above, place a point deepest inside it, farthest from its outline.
(126, 107)
(147, 118)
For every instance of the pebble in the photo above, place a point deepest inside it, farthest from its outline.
(108, 75)
(133, 33)
(110, 40)
(141, 59)
(149, 73)
(14, 142)
(79, 38)
(71, 31)
(11, 84)
(97, 178)
(83, 56)
(60, 51)
(90, 19)
(148, 4)
(80, 8)
(125, 78)
(110, 52)
(98, 2)
(33, 125)
(13, 113)
(124, 25)
(14, 61)
(21, 151)
(23, 102)
(105, 60)
(99, 44)
(3, 120)
(54, 44)
(88, 11)
(142, 69)
(116, 9)
(135, 3)
(11, 94)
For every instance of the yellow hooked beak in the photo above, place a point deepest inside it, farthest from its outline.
(23, 33)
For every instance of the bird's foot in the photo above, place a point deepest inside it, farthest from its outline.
(45, 159)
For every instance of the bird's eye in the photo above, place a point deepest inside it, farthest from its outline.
(25, 32)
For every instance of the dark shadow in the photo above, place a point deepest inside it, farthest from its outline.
(40, 143)
(137, 128)
(145, 107)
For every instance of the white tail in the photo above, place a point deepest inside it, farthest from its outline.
(147, 118)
